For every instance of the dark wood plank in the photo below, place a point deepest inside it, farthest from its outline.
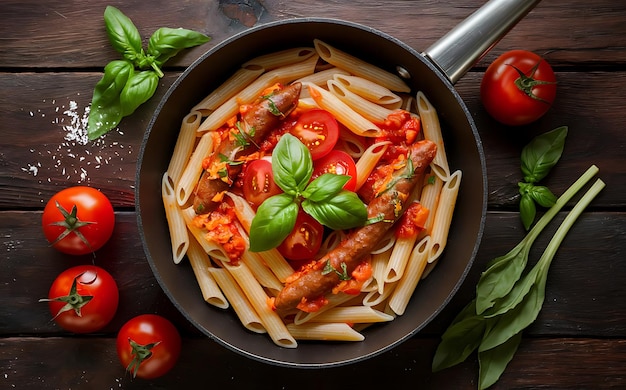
(40, 161)
(583, 276)
(91, 362)
(37, 35)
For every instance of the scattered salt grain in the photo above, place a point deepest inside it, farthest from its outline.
(75, 155)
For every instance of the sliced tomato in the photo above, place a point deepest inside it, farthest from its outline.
(258, 182)
(305, 239)
(318, 130)
(337, 162)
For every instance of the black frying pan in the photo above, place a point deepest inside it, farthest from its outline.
(433, 72)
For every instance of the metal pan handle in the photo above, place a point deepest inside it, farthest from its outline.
(463, 46)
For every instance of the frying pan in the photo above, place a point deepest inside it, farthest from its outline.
(433, 71)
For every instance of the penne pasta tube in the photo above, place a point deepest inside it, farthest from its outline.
(429, 198)
(342, 112)
(399, 258)
(351, 143)
(320, 78)
(353, 315)
(377, 281)
(359, 67)
(214, 250)
(185, 143)
(229, 88)
(201, 265)
(370, 90)
(414, 270)
(243, 309)
(334, 300)
(370, 111)
(367, 162)
(432, 131)
(259, 300)
(261, 272)
(193, 170)
(327, 332)
(179, 236)
(443, 218)
(281, 58)
(374, 298)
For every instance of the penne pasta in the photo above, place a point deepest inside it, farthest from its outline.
(414, 270)
(370, 111)
(193, 170)
(244, 310)
(342, 112)
(214, 250)
(370, 90)
(333, 301)
(229, 88)
(399, 258)
(368, 161)
(443, 217)
(201, 265)
(432, 131)
(359, 67)
(322, 77)
(184, 146)
(353, 315)
(261, 272)
(281, 58)
(179, 236)
(321, 331)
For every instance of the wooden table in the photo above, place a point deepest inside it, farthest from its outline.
(52, 54)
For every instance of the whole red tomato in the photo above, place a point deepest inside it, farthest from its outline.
(83, 299)
(518, 88)
(78, 220)
(148, 346)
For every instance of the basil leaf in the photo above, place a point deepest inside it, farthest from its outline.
(122, 33)
(274, 220)
(138, 89)
(106, 109)
(460, 339)
(292, 165)
(542, 153)
(543, 196)
(493, 362)
(340, 212)
(528, 210)
(325, 186)
(166, 42)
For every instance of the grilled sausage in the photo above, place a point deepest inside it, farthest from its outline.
(314, 282)
(257, 122)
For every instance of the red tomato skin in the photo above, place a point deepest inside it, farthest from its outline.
(258, 182)
(504, 101)
(305, 239)
(145, 329)
(338, 162)
(98, 312)
(92, 206)
(318, 130)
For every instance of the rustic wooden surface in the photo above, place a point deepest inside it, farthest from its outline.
(51, 55)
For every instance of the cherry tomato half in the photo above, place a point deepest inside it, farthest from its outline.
(83, 299)
(318, 130)
(148, 346)
(305, 239)
(337, 162)
(518, 88)
(78, 220)
(258, 182)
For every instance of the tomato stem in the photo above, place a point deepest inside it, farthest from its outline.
(73, 301)
(527, 83)
(71, 223)
(139, 353)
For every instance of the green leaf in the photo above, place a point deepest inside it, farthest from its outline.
(122, 33)
(515, 296)
(493, 362)
(342, 211)
(138, 89)
(292, 165)
(274, 220)
(542, 153)
(460, 339)
(527, 210)
(325, 187)
(166, 42)
(106, 108)
(543, 196)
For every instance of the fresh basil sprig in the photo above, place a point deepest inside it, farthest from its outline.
(324, 198)
(538, 158)
(131, 81)
(506, 302)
